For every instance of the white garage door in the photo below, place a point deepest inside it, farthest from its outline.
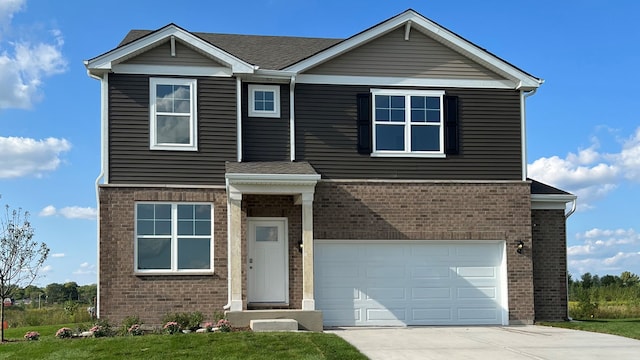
(391, 283)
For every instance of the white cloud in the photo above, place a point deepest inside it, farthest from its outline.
(7, 9)
(25, 63)
(57, 255)
(589, 173)
(605, 251)
(70, 212)
(30, 157)
(85, 269)
(45, 269)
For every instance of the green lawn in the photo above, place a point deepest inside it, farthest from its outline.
(234, 345)
(624, 327)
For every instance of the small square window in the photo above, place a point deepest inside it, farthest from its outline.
(264, 101)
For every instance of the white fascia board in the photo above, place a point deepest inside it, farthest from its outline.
(107, 60)
(400, 81)
(171, 70)
(551, 201)
(522, 80)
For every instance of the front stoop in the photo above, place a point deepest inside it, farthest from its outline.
(310, 320)
(273, 325)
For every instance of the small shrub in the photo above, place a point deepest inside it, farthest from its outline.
(128, 322)
(32, 335)
(208, 326)
(171, 327)
(135, 330)
(223, 325)
(186, 320)
(101, 328)
(64, 333)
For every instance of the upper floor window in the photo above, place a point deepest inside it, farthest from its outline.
(174, 237)
(264, 101)
(173, 124)
(408, 122)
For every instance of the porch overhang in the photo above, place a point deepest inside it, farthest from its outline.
(269, 178)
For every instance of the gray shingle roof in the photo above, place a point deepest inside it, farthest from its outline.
(544, 189)
(270, 167)
(268, 52)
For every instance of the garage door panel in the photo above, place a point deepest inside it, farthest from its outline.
(374, 271)
(431, 315)
(476, 315)
(430, 272)
(388, 293)
(410, 286)
(477, 293)
(442, 293)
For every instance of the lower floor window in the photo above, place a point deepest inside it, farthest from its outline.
(174, 237)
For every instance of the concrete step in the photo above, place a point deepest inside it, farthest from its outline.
(273, 325)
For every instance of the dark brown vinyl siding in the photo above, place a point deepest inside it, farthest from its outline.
(490, 140)
(263, 138)
(131, 161)
(161, 55)
(392, 55)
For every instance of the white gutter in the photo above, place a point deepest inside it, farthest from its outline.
(573, 208)
(292, 119)
(523, 120)
(239, 118)
(104, 109)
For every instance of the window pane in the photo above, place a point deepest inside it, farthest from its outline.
(268, 106)
(389, 137)
(194, 253)
(181, 92)
(203, 212)
(185, 211)
(185, 227)
(182, 106)
(433, 116)
(397, 102)
(203, 227)
(418, 115)
(397, 115)
(425, 138)
(417, 102)
(145, 227)
(163, 227)
(163, 211)
(154, 254)
(259, 95)
(266, 233)
(173, 130)
(383, 115)
(164, 91)
(145, 211)
(268, 95)
(383, 101)
(433, 103)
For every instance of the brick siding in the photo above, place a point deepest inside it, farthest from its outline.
(122, 293)
(550, 264)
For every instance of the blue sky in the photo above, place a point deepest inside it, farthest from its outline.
(583, 124)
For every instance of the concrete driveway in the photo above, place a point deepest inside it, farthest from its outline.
(487, 342)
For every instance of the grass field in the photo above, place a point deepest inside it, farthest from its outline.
(233, 345)
(624, 327)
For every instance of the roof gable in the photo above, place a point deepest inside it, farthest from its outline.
(412, 20)
(133, 48)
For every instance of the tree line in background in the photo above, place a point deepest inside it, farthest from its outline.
(609, 296)
(55, 293)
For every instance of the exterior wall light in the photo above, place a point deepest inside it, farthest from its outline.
(519, 247)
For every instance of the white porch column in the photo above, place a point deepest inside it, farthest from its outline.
(308, 299)
(235, 250)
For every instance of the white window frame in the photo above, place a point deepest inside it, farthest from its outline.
(275, 89)
(193, 116)
(407, 123)
(174, 241)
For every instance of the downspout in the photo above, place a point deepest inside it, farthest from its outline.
(228, 305)
(566, 216)
(573, 209)
(523, 119)
(104, 109)
(292, 119)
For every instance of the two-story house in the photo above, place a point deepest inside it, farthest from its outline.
(374, 180)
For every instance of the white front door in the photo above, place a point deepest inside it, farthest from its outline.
(267, 263)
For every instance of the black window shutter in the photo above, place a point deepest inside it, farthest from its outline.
(364, 123)
(451, 132)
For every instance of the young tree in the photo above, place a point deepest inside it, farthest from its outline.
(21, 257)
